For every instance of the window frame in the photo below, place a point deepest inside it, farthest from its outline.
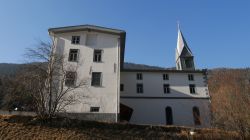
(139, 76)
(166, 88)
(190, 77)
(70, 79)
(77, 55)
(139, 86)
(165, 76)
(100, 79)
(192, 88)
(94, 109)
(75, 39)
(96, 60)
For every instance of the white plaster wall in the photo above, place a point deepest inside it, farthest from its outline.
(153, 84)
(152, 111)
(149, 110)
(105, 96)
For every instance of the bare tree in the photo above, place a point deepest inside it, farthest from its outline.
(45, 80)
(230, 93)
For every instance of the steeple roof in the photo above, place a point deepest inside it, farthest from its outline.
(182, 47)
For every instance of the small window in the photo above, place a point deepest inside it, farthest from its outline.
(165, 76)
(75, 40)
(96, 79)
(139, 76)
(97, 56)
(166, 88)
(121, 87)
(196, 115)
(70, 78)
(139, 88)
(73, 55)
(190, 77)
(94, 109)
(192, 89)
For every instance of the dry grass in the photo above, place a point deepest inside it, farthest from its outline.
(17, 127)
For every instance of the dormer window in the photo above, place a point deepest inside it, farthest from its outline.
(75, 40)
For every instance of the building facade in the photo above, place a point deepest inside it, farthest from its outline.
(142, 96)
(166, 97)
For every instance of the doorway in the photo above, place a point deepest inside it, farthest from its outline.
(169, 116)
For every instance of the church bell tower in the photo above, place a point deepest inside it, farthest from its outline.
(184, 58)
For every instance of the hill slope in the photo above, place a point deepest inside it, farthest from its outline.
(17, 127)
(9, 69)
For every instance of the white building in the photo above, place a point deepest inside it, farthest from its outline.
(143, 96)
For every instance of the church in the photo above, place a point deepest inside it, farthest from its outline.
(147, 95)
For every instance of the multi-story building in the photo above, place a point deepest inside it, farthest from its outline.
(143, 96)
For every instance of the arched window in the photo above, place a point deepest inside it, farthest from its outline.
(196, 114)
(169, 116)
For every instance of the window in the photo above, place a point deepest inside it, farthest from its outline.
(165, 76)
(73, 55)
(121, 87)
(192, 88)
(70, 78)
(94, 109)
(97, 56)
(169, 116)
(188, 63)
(196, 115)
(166, 88)
(190, 77)
(96, 79)
(91, 40)
(75, 40)
(139, 76)
(139, 88)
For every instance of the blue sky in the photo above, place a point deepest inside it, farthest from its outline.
(218, 32)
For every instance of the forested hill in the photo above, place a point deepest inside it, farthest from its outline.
(9, 69)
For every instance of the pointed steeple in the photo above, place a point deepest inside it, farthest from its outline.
(183, 56)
